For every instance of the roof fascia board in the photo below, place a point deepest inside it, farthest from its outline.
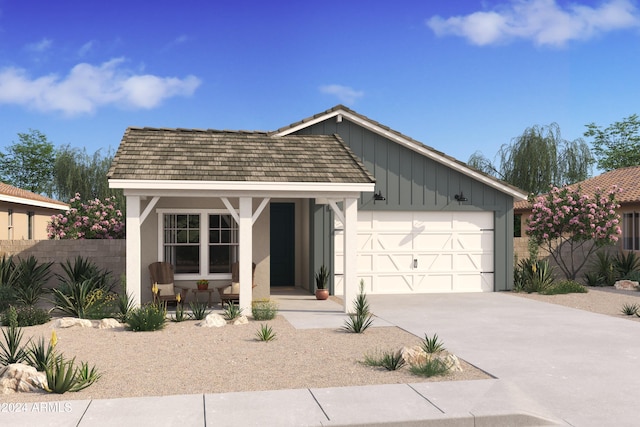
(410, 145)
(29, 202)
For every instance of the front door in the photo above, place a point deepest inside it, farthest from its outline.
(282, 244)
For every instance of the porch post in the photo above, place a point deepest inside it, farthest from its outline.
(133, 267)
(350, 279)
(245, 256)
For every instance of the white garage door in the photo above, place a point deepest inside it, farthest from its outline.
(421, 252)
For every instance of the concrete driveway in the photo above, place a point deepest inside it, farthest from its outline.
(574, 365)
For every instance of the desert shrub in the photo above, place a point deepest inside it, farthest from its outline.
(30, 278)
(630, 309)
(634, 275)
(432, 345)
(533, 275)
(626, 264)
(601, 270)
(264, 309)
(390, 360)
(11, 348)
(265, 333)
(26, 316)
(198, 310)
(232, 311)
(63, 375)
(149, 317)
(40, 355)
(565, 287)
(124, 306)
(7, 297)
(432, 367)
(361, 318)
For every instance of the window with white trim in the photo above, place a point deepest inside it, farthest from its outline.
(631, 231)
(30, 225)
(10, 223)
(201, 244)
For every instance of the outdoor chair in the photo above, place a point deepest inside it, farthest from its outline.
(162, 275)
(231, 291)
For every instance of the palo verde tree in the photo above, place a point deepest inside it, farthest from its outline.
(537, 159)
(571, 226)
(28, 163)
(618, 145)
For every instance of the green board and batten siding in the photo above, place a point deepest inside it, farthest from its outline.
(412, 182)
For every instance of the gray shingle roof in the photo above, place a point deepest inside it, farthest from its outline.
(212, 155)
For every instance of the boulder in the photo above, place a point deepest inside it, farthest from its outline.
(627, 285)
(416, 355)
(242, 320)
(21, 378)
(69, 322)
(109, 323)
(213, 320)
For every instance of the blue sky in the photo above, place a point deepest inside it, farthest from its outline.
(458, 76)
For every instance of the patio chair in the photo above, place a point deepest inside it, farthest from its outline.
(162, 275)
(231, 291)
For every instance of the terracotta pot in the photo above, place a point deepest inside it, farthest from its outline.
(322, 294)
(203, 286)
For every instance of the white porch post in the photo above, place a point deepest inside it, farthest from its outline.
(350, 279)
(133, 268)
(245, 256)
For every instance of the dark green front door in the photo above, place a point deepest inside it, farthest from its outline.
(282, 244)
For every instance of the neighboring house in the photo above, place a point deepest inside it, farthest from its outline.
(627, 179)
(24, 215)
(337, 189)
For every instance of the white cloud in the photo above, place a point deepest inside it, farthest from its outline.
(40, 46)
(542, 21)
(345, 94)
(85, 48)
(88, 87)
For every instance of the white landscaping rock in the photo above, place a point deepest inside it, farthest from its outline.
(242, 320)
(213, 320)
(628, 285)
(21, 378)
(68, 322)
(416, 356)
(109, 323)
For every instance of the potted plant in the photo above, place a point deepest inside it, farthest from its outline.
(322, 279)
(203, 284)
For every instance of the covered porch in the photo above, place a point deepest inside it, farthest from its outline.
(213, 206)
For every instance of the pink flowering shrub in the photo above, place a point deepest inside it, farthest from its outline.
(91, 220)
(564, 222)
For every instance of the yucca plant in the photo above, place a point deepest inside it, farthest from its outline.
(72, 298)
(390, 360)
(30, 278)
(63, 375)
(432, 367)
(361, 318)
(39, 354)
(265, 333)
(626, 264)
(11, 348)
(630, 309)
(232, 311)
(84, 269)
(198, 310)
(432, 345)
(124, 306)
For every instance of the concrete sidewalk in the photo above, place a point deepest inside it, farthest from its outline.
(554, 366)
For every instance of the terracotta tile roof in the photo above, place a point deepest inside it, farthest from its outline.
(11, 191)
(628, 179)
(213, 155)
(341, 107)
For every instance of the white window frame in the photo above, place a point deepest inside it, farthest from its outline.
(204, 241)
(634, 233)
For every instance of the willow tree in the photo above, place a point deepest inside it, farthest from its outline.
(538, 159)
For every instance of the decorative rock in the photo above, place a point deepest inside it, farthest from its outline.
(68, 322)
(627, 285)
(242, 320)
(416, 355)
(213, 320)
(18, 377)
(109, 324)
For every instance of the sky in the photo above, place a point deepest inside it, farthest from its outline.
(459, 76)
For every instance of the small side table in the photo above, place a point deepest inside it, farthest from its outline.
(197, 291)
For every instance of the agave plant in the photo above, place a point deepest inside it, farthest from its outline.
(30, 278)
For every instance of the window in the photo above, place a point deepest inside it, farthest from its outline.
(10, 223)
(30, 218)
(517, 225)
(182, 242)
(631, 231)
(199, 244)
(223, 243)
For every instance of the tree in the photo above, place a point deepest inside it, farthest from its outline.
(618, 145)
(75, 171)
(537, 159)
(566, 223)
(28, 164)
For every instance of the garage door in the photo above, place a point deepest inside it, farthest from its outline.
(421, 252)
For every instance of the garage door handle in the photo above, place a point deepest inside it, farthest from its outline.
(415, 263)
